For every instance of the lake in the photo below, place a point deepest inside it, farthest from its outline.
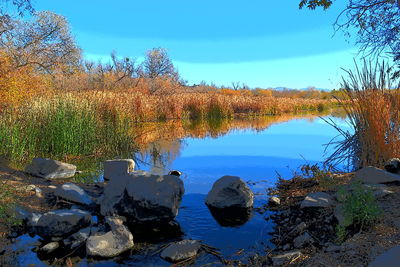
(257, 150)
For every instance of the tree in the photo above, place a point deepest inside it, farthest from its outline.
(158, 64)
(377, 23)
(12, 8)
(44, 42)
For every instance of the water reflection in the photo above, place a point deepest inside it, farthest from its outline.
(160, 144)
(231, 217)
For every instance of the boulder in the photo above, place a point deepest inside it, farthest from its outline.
(372, 175)
(74, 193)
(61, 223)
(50, 169)
(285, 258)
(110, 244)
(143, 198)
(180, 251)
(390, 258)
(228, 192)
(117, 167)
(318, 200)
(393, 165)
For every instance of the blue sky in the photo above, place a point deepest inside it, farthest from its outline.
(261, 43)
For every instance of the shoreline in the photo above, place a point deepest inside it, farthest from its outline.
(291, 221)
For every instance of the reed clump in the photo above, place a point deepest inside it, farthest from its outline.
(373, 113)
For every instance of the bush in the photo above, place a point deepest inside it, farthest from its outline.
(360, 209)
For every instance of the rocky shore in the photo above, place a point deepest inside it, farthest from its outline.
(106, 219)
(109, 219)
(309, 211)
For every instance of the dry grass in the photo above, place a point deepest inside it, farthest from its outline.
(374, 115)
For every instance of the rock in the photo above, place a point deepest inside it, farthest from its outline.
(379, 190)
(372, 175)
(39, 192)
(390, 258)
(21, 214)
(52, 187)
(274, 201)
(114, 222)
(393, 165)
(74, 193)
(110, 244)
(303, 240)
(285, 258)
(228, 192)
(143, 198)
(60, 223)
(30, 188)
(118, 167)
(79, 237)
(50, 169)
(182, 250)
(332, 248)
(298, 230)
(318, 200)
(50, 247)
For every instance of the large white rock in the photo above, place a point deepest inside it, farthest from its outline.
(181, 250)
(228, 192)
(142, 198)
(318, 200)
(117, 167)
(61, 223)
(110, 244)
(372, 175)
(74, 193)
(50, 169)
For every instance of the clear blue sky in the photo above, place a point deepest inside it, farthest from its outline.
(262, 43)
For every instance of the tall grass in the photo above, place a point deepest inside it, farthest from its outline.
(374, 116)
(61, 128)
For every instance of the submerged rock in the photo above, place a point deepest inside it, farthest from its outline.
(60, 223)
(372, 175)
(143, 198)
(318, 200)
(112, 243)
(74, 193)
(182, 250)
(50, 169)
(230, 192)
(118, 167)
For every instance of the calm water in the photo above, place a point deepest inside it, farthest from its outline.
(254, 151)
